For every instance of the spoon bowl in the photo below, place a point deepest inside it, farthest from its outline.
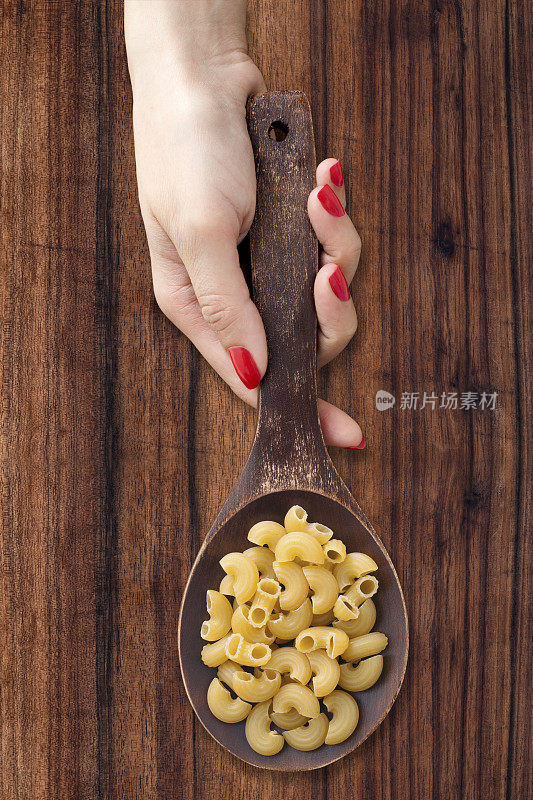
(373, 704)
(289, 463)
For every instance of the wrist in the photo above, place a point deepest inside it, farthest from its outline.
(189, 45)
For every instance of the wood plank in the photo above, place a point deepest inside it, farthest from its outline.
(113, 428)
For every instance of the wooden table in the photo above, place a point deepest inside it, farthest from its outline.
(119, 444)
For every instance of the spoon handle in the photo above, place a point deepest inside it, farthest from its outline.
(284, 261)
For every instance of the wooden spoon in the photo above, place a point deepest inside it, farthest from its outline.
(288, 463)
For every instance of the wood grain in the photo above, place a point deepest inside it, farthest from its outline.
(113, 428)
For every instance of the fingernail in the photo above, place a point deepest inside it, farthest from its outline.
(360, 446)
(245, 366)
(337, 281)
(330, 201)
(335, 173)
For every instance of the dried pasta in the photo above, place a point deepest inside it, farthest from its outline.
(297, 638)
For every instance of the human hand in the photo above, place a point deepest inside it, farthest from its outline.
(197, 190)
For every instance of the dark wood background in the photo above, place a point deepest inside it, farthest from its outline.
(119, 444)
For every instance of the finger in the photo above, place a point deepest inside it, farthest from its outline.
(329, 172)
(334, 229)
(338, 428)
(335, 311)
(176, 298)
(212, 263)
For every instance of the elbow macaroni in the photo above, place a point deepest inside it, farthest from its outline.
(220, 612)
(294, 695)
(353, 566)
(268, 591)
(263, 559)
(361, 677)
(309, 736)
(266, 534)
(289, 659)
(249, 654)
(258, 733)
(298, 588)
(334, 552)
(226, 585)
(240, 623)
(363, 589)
(362, 624)
(320, 532)
(324, 588)
(295, 519)
(287, 722)
(364, 646)
(222, 706)
(345, 716)
(326, 671)
(299, 545)
(244, 574)
(295, 591)
(286, 626)
(334, 641)
(323, 619)
(256, 689)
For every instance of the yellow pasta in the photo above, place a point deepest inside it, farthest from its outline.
(223, 706)
(323, 619)
(244, 573)
(299, 615)
(334, 641)
(295, 519)
(295, 591)
(301, 545)
(226, 586)
(326, 671)
(320, 532)
(214, 654)
(364, 646)
(363, 624)
(258, 733)
(226, 671)
(266, 534)
(345, 716)
(249, 654)
(361, 677)
(268, 591)
(361, 590)
(309, 736)
(256, 689)
(240, 623)
(294, 695)
(263, 559)
(219, 622)
(287, 626)
(289, 659)
(288, 721)
(324, 588)
(345, 609)
(353, 566)
(334, 552)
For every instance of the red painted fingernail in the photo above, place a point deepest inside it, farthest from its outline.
(245, 366)
(360, 446)
(330, 201)
(337, 281)
(335, 173)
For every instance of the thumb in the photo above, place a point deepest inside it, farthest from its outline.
(225, 303)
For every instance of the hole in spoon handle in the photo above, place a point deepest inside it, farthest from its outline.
(284, 262)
